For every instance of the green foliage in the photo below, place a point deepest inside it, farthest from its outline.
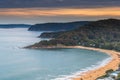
(106, 75)
(101, 77)
(109, 71)
(118, 77)
(100, 34)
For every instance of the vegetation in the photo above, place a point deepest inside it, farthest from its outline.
(118, 77)
(100, 34)
(57, 26)
(109, 71)
(106, 75)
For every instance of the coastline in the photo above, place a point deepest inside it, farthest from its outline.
(94, 74)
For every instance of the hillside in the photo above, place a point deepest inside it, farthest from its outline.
(101, 34)
(57, 26)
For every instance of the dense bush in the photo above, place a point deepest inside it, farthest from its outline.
(101, 34)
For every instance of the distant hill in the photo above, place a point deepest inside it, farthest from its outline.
(101, 34)
(14, 26)
(57, 26)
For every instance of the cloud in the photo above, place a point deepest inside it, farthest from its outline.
(46, 12)
(58, 3)
(36, 11)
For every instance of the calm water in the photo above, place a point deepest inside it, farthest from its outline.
(25, 64)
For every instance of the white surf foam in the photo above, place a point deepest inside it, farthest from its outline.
(83, 71)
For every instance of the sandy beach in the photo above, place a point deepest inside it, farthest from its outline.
(93, 74)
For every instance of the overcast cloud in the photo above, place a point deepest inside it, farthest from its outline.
(57, 3)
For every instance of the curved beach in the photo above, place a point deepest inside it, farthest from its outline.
(94, 74)
(100, 71)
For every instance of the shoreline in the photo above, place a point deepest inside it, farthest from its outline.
(100, 71)
(94, 74)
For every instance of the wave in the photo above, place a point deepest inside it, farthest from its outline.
(83, 71)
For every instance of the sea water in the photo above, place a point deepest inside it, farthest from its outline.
(17, 63)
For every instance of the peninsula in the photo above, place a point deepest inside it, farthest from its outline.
(14, 25)
(103, 34)
(57, 26)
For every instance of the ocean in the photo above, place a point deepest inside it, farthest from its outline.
(17, 63)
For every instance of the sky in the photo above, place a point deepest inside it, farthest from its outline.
(42, 11)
